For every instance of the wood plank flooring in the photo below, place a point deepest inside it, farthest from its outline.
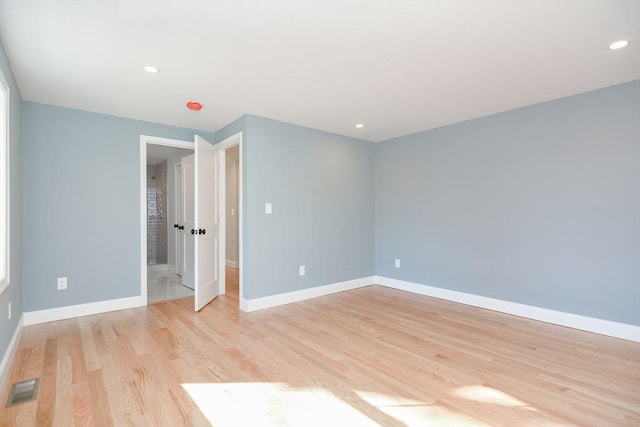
(371, 356)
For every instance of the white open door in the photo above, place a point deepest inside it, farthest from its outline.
(187, 221)
(178, 226)
(207, 223)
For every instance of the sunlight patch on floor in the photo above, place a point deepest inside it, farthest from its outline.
(379, 399)
(485, 394)
(508, 403)
(415, 412)
(272, 404)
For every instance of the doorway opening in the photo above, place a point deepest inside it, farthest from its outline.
(161, 278)
(174, 152)
(232, 217)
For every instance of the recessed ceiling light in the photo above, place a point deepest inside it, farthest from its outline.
(151, 69)
(619, 44)
(359, 125)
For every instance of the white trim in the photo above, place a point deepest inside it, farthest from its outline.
(168, 142)
(144, 140)
(240, 193)
(576, 321)
(143, 218)
(303, 294)
(88, 309)
(231, 264)
(177, 192)
(233, 140)
(5, 365)
(5, 158)
(222, 218)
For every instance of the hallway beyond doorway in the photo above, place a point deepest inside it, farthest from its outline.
(163, 285)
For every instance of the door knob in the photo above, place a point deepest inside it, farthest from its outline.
(181, 227)
(193, 231)
(176, 226)
(202, 231)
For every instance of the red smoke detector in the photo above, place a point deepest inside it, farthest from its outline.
(195, 106)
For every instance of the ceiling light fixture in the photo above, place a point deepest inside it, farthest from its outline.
(359, 125)
(193, 105)
(619, 44)
(151, 69)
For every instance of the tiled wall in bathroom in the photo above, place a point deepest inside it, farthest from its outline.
(157, 213)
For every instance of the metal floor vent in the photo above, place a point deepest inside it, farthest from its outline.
(24, 391)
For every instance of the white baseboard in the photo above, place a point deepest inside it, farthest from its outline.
(10, 353)
(585, 323)
(67, 312)
(303, 294)
(576, 321)
(231, 264)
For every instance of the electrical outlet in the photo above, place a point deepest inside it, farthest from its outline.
(62, 283)
(9, 310)
(397, 263)
(301, 270)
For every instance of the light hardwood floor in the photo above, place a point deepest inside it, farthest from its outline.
(371, 356)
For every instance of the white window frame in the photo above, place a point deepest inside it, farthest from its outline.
(5, 208)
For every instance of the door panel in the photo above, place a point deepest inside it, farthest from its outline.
(207, 220)
(187, 166)
(178, 215)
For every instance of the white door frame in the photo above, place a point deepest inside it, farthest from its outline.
(144, 140)
(225, 144)
(177, 196)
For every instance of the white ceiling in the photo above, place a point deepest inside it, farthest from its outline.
(397, 66)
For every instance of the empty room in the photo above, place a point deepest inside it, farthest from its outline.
(319, 213)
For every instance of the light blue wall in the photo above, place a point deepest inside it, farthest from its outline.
(539, 205)
(321, 188)
(82, 204)
(14, 292)
(238, 125)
